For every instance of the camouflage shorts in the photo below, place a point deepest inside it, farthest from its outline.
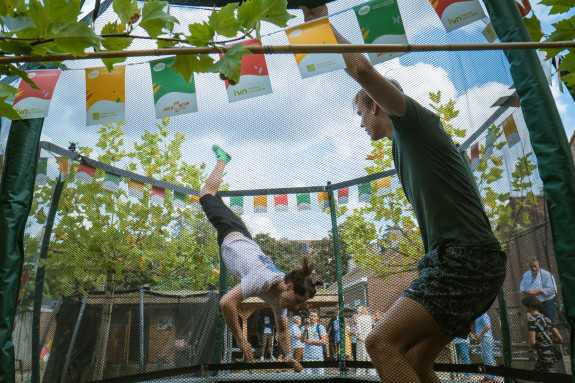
(458, 284)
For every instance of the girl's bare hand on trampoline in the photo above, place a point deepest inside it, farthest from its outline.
(294, 364)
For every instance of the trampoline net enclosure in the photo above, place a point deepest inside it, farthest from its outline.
(132, 275)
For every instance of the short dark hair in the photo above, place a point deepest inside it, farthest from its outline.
(303, 284)
(362, 97)
(532, 302)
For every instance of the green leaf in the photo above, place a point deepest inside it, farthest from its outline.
(154, 19)
(224, 21)
(40, 16)
(569, 80)
(230, 65)
(115, 43)
(275, 12)
(17, 23)
(127, 10)
(249, 13)
(7, 91)
(75, 37)
(564, 30)
(187, 64)
(558, 6)
(6, 110)
(533, 27)
(568, 62)
(12, 70)
(62, 11)
(16, 47)
(201, 34)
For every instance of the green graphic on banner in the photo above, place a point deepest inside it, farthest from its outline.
(172, 96)
(380, 23)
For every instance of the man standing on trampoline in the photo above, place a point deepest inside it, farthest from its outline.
(464, 267)
(258, 275)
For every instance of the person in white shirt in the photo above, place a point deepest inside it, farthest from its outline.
(364, 327)
(315, 340)
(540, 282)
(258, 275)
(297, 343)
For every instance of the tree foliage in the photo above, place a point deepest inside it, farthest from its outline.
(107, 240)
(564, 30)
(51, 26)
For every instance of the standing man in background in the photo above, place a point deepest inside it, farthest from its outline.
(540, 283)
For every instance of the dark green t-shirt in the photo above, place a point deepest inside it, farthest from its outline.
(437, 182)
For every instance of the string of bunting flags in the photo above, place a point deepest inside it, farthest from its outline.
(379, 20)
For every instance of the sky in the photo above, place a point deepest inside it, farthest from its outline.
(305, 133)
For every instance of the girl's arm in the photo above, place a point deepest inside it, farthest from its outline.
(532, 341)
(556, 335)
(229, 305)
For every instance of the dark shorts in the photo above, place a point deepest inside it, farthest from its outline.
(458, 284)
(222, 218)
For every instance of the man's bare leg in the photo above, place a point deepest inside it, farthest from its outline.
(405, 343)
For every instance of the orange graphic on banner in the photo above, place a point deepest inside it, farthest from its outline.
(315, 32)
(103, 85)
(441, 5)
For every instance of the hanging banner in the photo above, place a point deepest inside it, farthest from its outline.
(343, 196)
(323, 200)
(489, 32)
(315, 32)
(261, 204)
(457, 13)
(303, 201)
(158, 195)
(179, 200)
(64, 164)
(112, 182)
(380, 23)
(475, 155)
(105, 95)
(510, 130)
(281, 202)
(85, 173)
(237, 204)
(136, 189)
(172, 96)
(383, 186)
(195, 203)
(524, 7)
(35, 103)
(254, 78)
(364, 192)
(41, 172)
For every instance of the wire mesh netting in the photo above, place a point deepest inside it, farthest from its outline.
(131, 280)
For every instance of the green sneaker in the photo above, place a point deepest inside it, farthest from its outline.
(220, 154)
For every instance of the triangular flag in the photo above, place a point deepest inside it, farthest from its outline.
(364, 192)
(510, 130)
(383, 186)
(489, 32)
(105, 95)
(158, 195)
(112, 182)
(85, 173)
(343, 196)
(195, 203)
(524, 7)
(42, 170)
(323, 199)
(380, 23)
(136, 189)
(475, 155)
(457, 13)
(281, 202)
(237, 204)
(303, 201)
(179, 201)
(64, 164)
(489, 142)
(260, 204)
